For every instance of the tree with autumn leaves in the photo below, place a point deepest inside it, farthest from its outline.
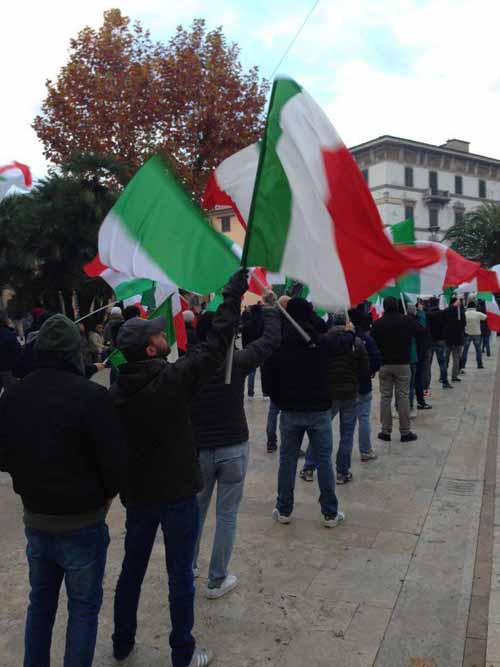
(124, 95)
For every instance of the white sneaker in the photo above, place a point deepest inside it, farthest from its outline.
(281, 518)
(229, 584)
(128, 660)
(413, 414)
(332, 521)
(196, 572)
(201, 657)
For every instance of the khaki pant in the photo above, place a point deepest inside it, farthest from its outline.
(455, 351)
(395, 379)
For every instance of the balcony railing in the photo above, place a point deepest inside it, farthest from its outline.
(433, 196)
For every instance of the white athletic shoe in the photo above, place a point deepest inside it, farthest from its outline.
(196, 572)
(332, 521)
(201, 657)
(281, 518)
(229, 584)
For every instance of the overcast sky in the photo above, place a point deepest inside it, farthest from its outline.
(426, 70)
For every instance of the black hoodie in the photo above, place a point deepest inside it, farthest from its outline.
(60, 439)
(297, 375)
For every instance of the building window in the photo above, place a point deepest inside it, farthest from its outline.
(482, 189)
(459, 216)
(433, 218)
(409, 177)
(408, 212)
(433, 182)
(225, 223)
(459, 186)
(365, 174)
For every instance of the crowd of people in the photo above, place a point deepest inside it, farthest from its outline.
(167, 437)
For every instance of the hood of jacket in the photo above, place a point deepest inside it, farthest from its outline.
(58, 345)
(135, 376)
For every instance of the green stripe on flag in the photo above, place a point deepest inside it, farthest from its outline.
(132, 287)
(155, 210)
(403, 232)
(271, 207)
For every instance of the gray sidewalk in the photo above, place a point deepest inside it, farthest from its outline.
(392, 587)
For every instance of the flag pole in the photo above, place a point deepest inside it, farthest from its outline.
(404, 304)
(108, 305)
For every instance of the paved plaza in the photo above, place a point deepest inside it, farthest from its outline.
(408, 581)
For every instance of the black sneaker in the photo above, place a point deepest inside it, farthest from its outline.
(272, 446)
(307, 475)
(344, 479)
(384, 436)
(409, 437)
(481, 366)
(424, 406)
(456, 380)
(447, 385)
(462, 372)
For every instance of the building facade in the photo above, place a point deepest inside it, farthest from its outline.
(434, 185)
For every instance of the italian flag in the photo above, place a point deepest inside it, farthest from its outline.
(14, 173)
(124, 286)
(312, 216)
(376, 306)
(484, 281)
(156, 231)
(492, 310)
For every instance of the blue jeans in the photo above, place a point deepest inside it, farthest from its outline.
(226, 467)
(179, 523)
(477, 345)
(251, 382)
(348, 416)
(79, 558)
(439, 349)
(318, 426)
(363, 410)
(272, 422)
(485, 344)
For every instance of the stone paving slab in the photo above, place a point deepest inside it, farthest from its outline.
(389, 588)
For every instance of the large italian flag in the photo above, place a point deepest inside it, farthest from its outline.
(124, 286)
(14, 173)
(312, 216)
(156, 231)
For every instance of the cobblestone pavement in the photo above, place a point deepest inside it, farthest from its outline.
(392, 587)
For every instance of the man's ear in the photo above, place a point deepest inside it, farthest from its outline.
(151, 351)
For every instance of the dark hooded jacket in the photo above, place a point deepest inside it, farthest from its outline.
(454, 326)
(153, 400)
(298, 372)
(60, 438)
(347, 368)
(217, 409)
(10, 350)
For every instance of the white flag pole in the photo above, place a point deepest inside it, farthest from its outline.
(108, 305)
(404, 304)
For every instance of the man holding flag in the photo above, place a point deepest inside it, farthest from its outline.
(163, 475)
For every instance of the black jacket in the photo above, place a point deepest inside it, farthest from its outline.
(347, 368)
(393, 333)
(454, 327)
(153, 400)
(437, 320)
(61, 442)
(10, 350)
(298, 373)
(217, 409)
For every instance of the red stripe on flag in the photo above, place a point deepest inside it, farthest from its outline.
(214, 196)
(180, 331)
(95, 268)
(368, 258)
(254, 285)
(23, 168)
(487, 281)
(459, 269)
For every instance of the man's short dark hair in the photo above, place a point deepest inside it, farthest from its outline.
(472, 304)
(391, 305)
(433, 302)
(130, 312)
